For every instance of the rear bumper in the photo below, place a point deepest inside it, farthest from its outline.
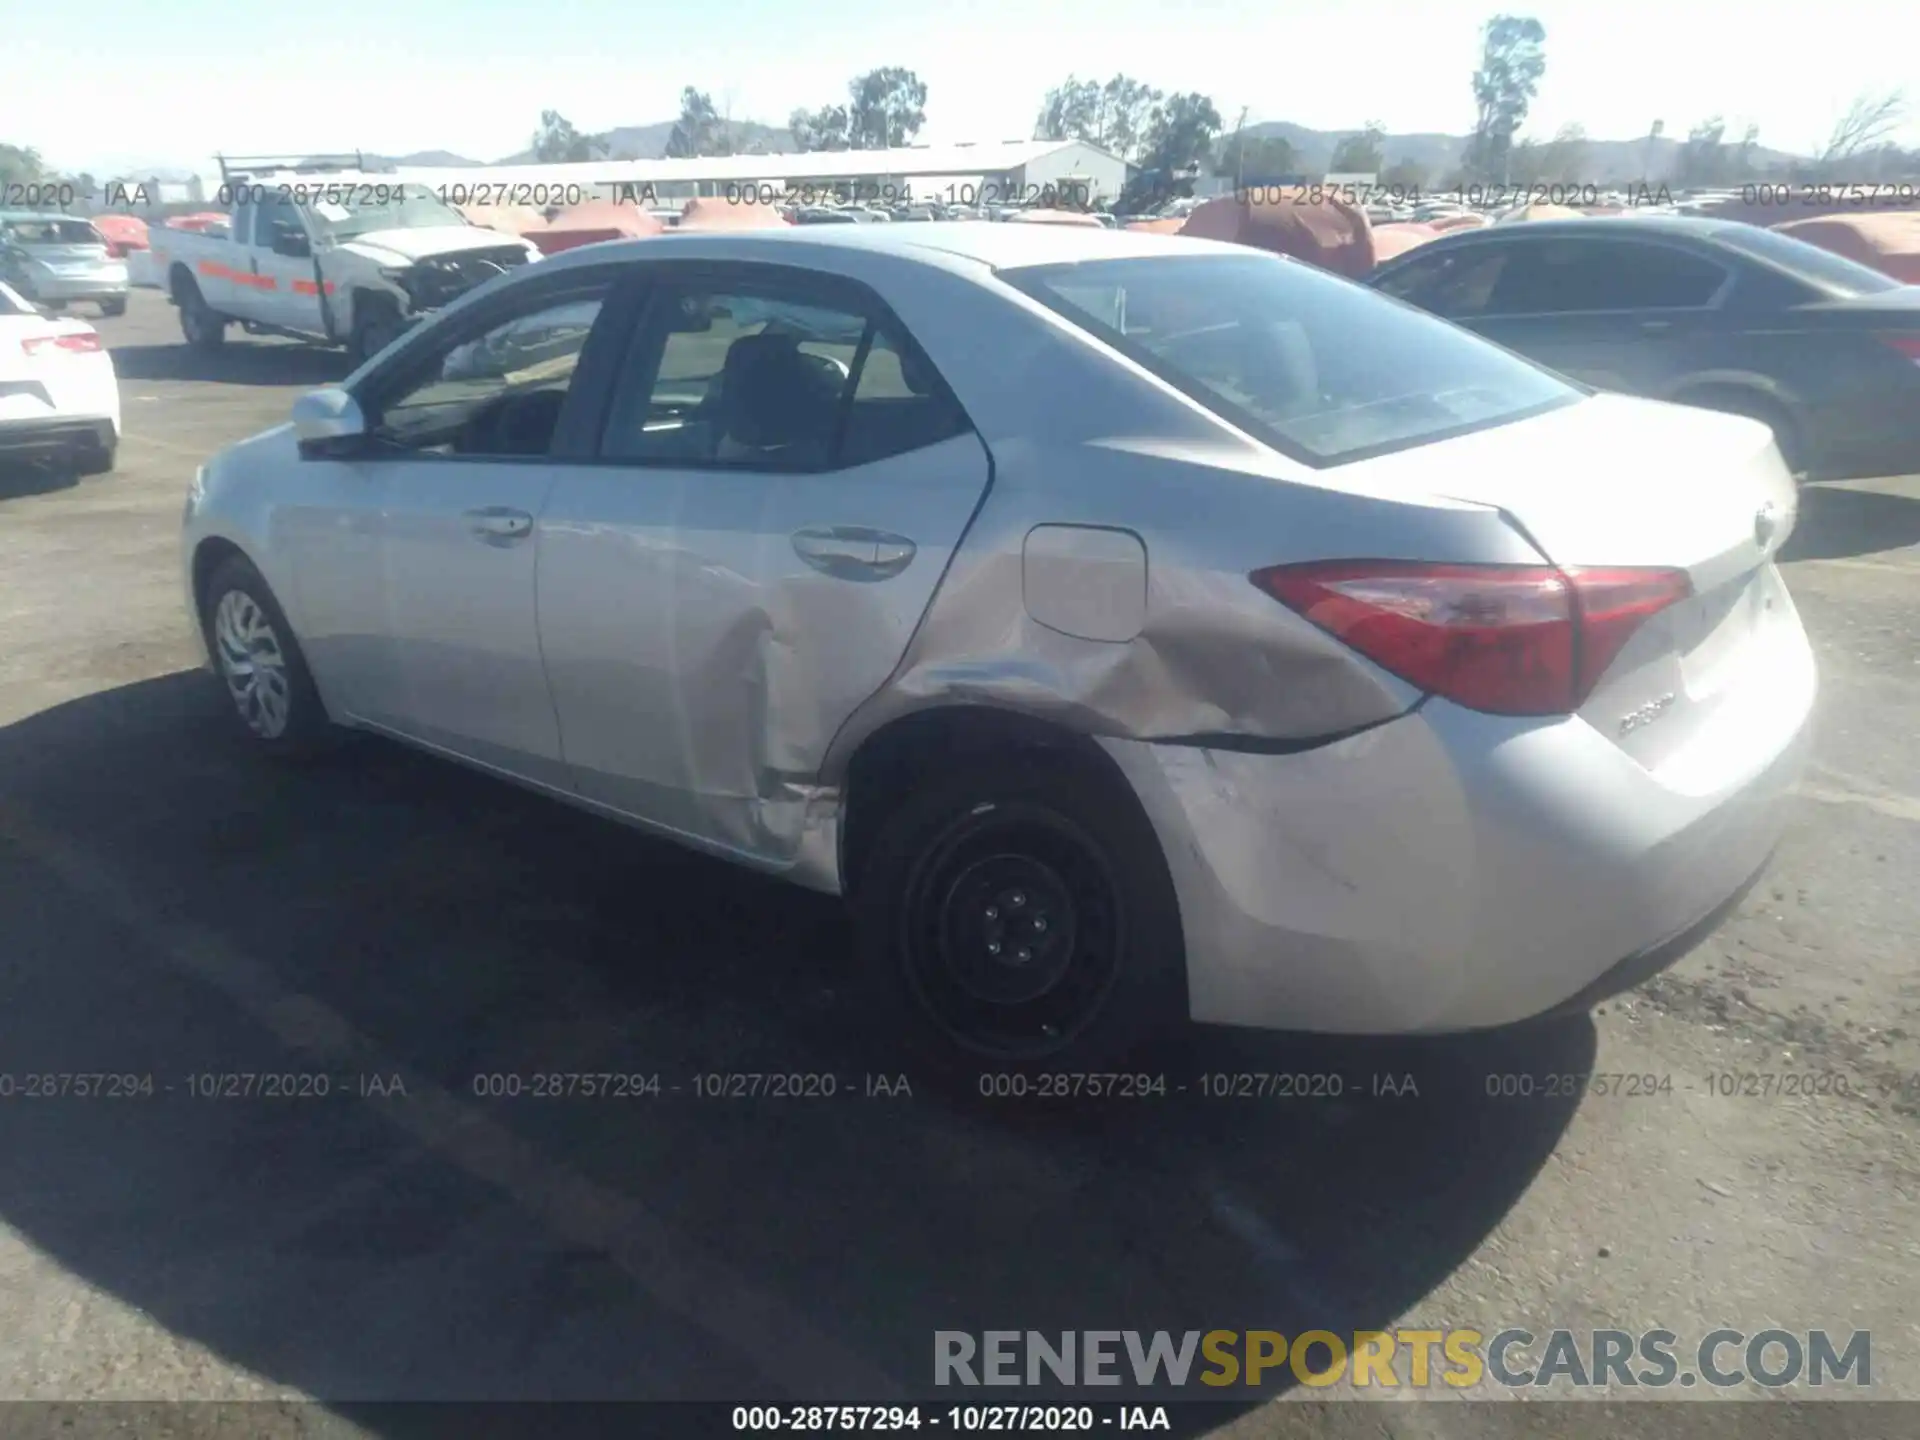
(36, 439)
(80, 287)
(1453, 871)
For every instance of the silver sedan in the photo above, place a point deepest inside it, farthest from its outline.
(1130, 627)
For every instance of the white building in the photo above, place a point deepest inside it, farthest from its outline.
(989, 172)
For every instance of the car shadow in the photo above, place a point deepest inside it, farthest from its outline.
(177, 908)
(1838, 521)
(243, 360)
(20, 478)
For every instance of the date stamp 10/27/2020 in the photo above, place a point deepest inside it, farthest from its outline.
(1902, 1091)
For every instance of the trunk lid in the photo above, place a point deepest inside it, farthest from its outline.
(1619, 482)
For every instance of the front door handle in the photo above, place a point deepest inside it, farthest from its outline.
(500, 524)
(853, 552)
(1654, 327)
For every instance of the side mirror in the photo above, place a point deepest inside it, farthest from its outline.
(292, 244)
(328, 422)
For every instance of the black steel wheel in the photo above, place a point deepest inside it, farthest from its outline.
(1020, 916)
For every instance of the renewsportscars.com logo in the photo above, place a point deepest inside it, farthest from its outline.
(1458, 1359)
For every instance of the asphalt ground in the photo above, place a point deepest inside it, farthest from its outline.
(393, 931)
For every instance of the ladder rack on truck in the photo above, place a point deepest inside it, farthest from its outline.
(248, 167)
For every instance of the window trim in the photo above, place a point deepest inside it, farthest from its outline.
(1715, 301)
(614, 285)
(1250, 424)
(797, 285)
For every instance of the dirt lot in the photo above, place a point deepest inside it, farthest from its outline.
(171, 908)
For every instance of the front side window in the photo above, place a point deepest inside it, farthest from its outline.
(1322, 370)
(277, 218)
(496, 394)
(1456, 284)
(756, 379)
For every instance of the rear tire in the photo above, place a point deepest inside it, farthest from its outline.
(273, 698)
(98, 459)
(1018, 916)
(203, 327)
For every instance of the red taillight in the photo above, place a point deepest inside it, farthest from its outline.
(85, 343)
(1506, 639)
(1907, 345)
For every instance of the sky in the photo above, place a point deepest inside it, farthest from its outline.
(127, 86)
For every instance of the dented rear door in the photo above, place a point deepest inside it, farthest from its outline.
(709, 616)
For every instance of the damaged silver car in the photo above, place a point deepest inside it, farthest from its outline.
(1131, 628)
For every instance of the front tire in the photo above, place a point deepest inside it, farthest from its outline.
(254, 652)
(1018, 916)
(115, 306)
(376, 324)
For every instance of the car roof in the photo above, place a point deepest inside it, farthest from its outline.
(999, 246)
(1684, 226)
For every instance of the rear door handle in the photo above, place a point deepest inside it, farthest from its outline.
(1654, 327)
(500, 524)
(853, 552)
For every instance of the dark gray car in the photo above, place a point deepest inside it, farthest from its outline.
(1712, 313)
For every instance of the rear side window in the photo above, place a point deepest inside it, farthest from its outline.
(1321, 369)
(54, 232)
(1565, 277)
(1834, 274)
(762, 378)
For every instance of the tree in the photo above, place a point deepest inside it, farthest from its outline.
(1704, 159)
(1360, 154)
(1113, 115)
(556, 142)
(1180, 134)
(1563, 159)
(822, 129)
(1406, 176)
(1256, 159)
(1513, 57)
(889, 107)
(1866, 126)
(20, 166)
(699, 130)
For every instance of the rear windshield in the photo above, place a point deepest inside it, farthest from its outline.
(12, 304)
(1322, 370)
(53, 232)
(1830, 272)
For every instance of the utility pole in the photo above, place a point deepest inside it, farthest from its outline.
(1240, 152)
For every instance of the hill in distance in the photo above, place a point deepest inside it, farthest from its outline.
(1607, 161)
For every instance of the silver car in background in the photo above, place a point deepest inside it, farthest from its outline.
(54, 260)
(1129, 627)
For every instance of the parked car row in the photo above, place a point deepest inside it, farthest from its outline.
(55, 260)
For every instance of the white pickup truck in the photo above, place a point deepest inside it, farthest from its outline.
(348, 260)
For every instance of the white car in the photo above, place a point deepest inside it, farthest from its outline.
(59, 398)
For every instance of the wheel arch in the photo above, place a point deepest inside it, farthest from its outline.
(890, 761)
(208, 556)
